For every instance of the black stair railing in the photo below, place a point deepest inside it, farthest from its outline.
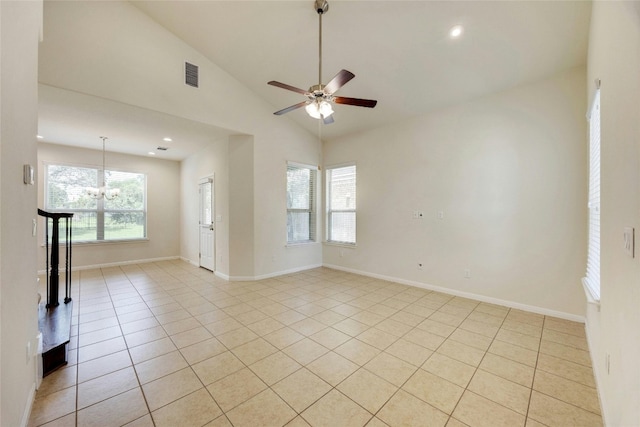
(53, 273)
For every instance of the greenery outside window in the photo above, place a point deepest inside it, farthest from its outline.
(122, 218)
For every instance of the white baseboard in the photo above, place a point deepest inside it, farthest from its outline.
(188, 261)
(478, 297)
(274, 274)
(28, 406)
(290, 271)
(221, 275)
(118, 264)
(483, 298)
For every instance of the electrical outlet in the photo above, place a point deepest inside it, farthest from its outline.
(440, 214)
(28, 350)
(467, 273)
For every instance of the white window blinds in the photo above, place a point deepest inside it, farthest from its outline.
(341, 204)
(301, 202)
(592, 279)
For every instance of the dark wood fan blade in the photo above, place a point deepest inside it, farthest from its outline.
(338, 81)
(293, 107)
(327, 120)
(288, 87)
(369, 103)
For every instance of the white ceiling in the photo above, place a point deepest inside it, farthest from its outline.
(399, 51)
(76, 119)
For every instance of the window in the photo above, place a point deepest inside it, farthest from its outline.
(341, 204)
(301, 202)
(123, 218)
(592, 279)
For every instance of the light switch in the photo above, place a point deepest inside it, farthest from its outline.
(629, 241)
(28, 175)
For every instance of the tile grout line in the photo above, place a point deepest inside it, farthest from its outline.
(307, 296)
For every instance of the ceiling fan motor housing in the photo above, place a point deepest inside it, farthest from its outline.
(321, 6)
(317, 91)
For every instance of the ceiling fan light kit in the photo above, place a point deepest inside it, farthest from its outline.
(321, 97)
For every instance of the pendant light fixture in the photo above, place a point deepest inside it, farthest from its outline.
(103, 191)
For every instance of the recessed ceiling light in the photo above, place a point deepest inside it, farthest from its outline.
(151, 153)
(167, 139)
(39, 136)
(456, 32)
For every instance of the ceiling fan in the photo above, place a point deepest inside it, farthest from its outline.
(320, 97)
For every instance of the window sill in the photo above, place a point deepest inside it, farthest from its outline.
(104, 242)
(299, 244)
(591, 299)
(340, 244)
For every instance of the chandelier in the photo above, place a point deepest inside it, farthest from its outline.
(103, 191)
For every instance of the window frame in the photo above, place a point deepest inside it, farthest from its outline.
(100, 211)
(313, 203)
(330, 211)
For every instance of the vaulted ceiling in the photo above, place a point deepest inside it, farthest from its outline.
(400, 51)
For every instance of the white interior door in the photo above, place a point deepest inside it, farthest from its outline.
(207, 225)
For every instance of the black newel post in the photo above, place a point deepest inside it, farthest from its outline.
(53, 273)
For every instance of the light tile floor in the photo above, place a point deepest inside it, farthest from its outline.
(168, 344)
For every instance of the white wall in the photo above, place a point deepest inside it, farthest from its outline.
(242, 207)
(84, 52)
(163, 206)
(509, 174)
(19, 32)
(213, 160)
(614, 57)
(270, 183)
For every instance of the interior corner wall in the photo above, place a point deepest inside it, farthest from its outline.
(163, 207)
(20, 24)
(508, 173)
(273, 255)
(241, 207)
(212, 160)
(614, 330)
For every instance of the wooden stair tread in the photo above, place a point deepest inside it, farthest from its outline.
(55, 325)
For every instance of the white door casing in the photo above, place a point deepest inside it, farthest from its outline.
(207, 224)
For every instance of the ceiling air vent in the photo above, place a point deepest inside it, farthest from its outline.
(162, 148)
(191, 74)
